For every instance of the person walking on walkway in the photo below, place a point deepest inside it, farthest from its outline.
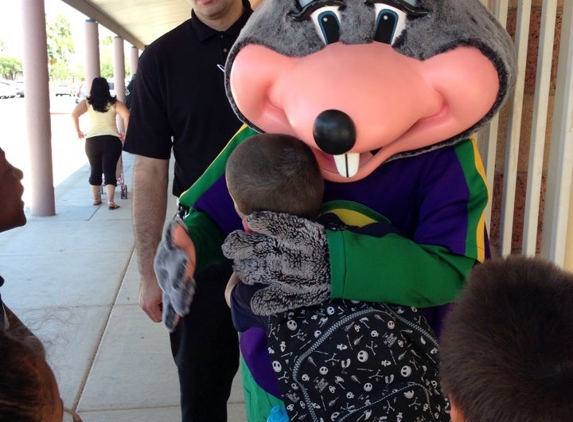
(103, 140)
(180, 105)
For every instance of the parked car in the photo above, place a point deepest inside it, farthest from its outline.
(20, 88)
(63, 89)
(8, 89)
(111, 84)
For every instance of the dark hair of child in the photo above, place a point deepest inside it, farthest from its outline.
(25, 393)
(507, 347)
(275, 172)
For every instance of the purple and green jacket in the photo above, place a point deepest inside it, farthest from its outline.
(436, 200)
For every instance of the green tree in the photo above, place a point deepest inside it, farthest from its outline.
(106, 68)
(78, 72)
(106, 40)
(60, 47)
(107, 57)
(10, 67)
(2, 46)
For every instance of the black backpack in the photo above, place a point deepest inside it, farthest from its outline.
(357, 361)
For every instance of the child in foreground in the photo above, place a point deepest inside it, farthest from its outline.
(340, 359)
(28, 387)
(507, 347)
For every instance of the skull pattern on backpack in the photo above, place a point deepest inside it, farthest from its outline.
(357, 361)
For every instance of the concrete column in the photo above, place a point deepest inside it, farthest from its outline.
(37, 106)
(133, 59)
(119, 75)
(119, 67)
(92, 53)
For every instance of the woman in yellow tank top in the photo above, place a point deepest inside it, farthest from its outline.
(103, 139)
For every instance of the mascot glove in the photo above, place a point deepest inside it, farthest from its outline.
(171, 270)
(287, 253)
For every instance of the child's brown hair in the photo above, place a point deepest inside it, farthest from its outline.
(274, 172)
(507, 347)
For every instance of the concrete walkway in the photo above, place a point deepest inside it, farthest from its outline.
(73, 280)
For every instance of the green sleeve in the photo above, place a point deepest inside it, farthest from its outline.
(206, 235)
(215, 170)
(414, 275)
(207, 238)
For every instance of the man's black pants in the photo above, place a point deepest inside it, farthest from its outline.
(206, 350)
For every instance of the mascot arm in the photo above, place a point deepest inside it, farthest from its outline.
(193, 244)
(178, 259)
(303, 264)
(215, 170)
(414, 275)
(208, 204)
(207, 238)
(428, 266)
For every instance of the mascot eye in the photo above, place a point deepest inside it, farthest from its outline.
(391, 17)
(327, 23)
(390, 22)
(325, 14)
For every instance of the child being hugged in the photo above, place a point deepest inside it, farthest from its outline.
(341, 359)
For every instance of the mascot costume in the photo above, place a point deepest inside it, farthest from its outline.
(386, 93)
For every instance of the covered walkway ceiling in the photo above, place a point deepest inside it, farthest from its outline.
(138, 22)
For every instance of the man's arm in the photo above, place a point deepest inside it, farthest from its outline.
(150, 180)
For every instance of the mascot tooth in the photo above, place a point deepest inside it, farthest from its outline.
(387, 94)
(347, 164)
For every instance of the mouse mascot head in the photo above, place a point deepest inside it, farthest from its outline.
(366, 81)
(386, 93)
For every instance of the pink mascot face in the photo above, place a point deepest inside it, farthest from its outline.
(359, 95)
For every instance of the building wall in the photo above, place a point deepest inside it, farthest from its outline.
(526, 128)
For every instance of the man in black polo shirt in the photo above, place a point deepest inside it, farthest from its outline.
(179, 103)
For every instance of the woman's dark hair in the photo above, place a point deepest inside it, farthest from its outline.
(100, 98)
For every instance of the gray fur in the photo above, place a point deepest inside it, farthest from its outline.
(295, 267)
(276, 298)
(450, 23)
(170, 267)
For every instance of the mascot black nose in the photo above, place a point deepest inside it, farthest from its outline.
(334, 132)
